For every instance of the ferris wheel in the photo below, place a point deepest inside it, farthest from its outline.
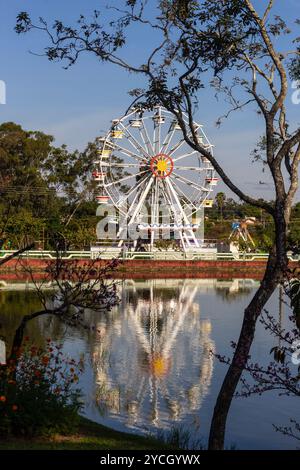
(156, 182)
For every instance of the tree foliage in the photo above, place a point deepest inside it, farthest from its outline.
(44, 190)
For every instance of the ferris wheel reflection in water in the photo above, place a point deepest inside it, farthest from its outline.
(153, 364)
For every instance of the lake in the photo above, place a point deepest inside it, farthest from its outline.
(149, 364)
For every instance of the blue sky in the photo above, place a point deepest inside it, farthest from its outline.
(76, 105)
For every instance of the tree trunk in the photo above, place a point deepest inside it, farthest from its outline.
(272, 277)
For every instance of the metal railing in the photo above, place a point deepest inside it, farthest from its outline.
(154, 255)
(41, 254)
(192, 256)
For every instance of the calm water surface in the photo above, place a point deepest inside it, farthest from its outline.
(148, 363)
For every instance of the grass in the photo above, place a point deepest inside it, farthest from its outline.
(180, 438)
(89, 436)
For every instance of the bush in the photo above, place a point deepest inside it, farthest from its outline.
(37, 394)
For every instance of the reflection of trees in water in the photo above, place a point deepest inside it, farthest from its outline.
(53, 328)
(233, 289)
(13, 306)
(229, 296)
(153, 362)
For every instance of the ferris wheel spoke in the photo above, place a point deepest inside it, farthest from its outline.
(155, 142)
(141, 200)
(156, 200)
(134, 209)
(170, 202)
(182, 141)
(139, 191)
(167, 141)
(125, 178)
(176, 147)
(133, 141)
(166, 196)
(121, 165)
(175, 207)
(184, 156)
(133, 203)
(157, 130)
(127, 152)
(127, 195)
(146, 138)
(187, 234)
(177, 200)
(158, 136)
(184, 195)
(190, 183)
(193, 168)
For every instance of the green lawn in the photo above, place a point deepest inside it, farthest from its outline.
(90, 436)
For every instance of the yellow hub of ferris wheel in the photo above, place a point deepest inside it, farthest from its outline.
(162, 165)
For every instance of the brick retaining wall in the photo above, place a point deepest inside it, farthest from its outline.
(154, 268)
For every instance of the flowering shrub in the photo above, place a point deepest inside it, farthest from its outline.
(37, 393)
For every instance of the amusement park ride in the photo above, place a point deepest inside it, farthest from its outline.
(240, 232)
(157, 184)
